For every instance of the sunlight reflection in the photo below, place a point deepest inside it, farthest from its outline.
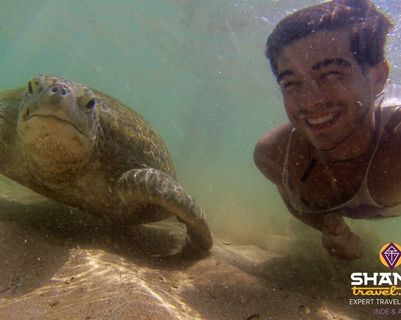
(325, 313)
(94, 276)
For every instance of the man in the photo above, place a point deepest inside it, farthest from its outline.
(340, 153)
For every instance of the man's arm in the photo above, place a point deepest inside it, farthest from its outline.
(314, 220)
(337, 238)
(269, 157)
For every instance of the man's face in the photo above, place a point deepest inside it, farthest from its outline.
(326, 93)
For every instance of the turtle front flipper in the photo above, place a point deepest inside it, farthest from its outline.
(157, 188)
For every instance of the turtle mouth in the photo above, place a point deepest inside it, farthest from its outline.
(29, 117)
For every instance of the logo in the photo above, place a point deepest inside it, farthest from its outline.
(380, 283)
(390, 255)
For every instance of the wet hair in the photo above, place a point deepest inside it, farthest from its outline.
(367, 27)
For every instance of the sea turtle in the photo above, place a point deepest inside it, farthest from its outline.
(87, 150)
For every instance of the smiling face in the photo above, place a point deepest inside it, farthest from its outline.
(58, 120)
(327, 95)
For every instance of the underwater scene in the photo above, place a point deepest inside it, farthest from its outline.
(196, 71)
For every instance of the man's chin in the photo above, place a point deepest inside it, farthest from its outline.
(325, 147)
(325, 141)
(326, 144)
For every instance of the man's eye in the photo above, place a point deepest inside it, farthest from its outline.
(333, 75)
(288, 84)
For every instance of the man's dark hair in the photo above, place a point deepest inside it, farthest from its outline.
(367, 26)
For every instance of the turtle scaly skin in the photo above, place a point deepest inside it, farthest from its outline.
(87, 150)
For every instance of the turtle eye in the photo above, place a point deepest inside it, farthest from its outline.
(91, 104)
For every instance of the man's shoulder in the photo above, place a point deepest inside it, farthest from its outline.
(270, 150)
(276, 138)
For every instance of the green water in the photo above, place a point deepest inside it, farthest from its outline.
(195, 69)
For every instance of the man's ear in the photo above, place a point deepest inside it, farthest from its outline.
(378, 75)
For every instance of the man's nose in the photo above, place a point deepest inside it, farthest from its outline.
(312, 97)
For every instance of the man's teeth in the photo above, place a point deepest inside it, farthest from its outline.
(320, 120)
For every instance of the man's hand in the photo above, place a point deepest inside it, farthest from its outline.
(338, 239)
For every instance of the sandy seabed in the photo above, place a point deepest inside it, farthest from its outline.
(57, 263)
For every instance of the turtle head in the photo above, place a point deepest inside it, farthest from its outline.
(58, 119)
